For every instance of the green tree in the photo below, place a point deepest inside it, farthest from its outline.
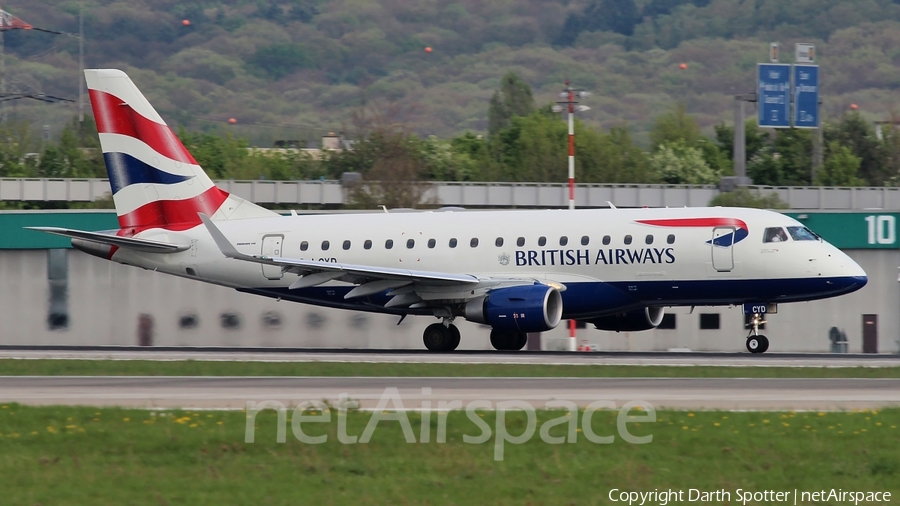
(743, 197)
(279, 60)
(616, 159)
(676, 125)
(514, 98)
(618, 16)
(678, 163)
(859, 136)
(841, 167)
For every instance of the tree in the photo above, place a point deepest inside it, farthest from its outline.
(514, 98)
(675, 126)
(677, 163)
(841, 167)
(618, 16)
(858, 135)
(743, 197)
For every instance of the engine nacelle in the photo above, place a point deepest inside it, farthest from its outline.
(534, 308)
(631, 321)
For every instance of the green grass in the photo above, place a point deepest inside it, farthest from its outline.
(13, 367)
(79, 456)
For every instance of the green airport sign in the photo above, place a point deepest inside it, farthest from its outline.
(856, 230)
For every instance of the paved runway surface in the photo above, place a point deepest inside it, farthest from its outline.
(235, 392)
(460, 357)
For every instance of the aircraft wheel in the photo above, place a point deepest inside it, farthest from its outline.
(437, 337)
(454, 334)
(521, 339)
(757, 344)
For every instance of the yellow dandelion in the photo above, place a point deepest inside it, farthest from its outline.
(220, 422)
(51, 430)
(34, 433)
(724, 418)
(690, 414)
(863, 430)
(878, 424)
(785, 424)
(126, 419)
(806, 427)
(893, 426)
(96, 419)
(685, 427)
(693, 430)
(5, 406)
(856, 432)
(717, 424)
(578, 429)
(765, 421)
(753, 425)
(193, 425)
(71, 426)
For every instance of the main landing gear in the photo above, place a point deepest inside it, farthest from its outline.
(757, 343)
(508, 341)
(442, 336)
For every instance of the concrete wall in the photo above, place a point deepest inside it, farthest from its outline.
(106, 300)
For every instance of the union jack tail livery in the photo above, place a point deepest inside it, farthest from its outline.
(155, 181)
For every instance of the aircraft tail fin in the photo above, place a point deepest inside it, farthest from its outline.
(155, 181)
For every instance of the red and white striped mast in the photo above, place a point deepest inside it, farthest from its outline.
(569, 93)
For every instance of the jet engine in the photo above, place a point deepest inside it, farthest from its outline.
(631, 321)
(533, 308)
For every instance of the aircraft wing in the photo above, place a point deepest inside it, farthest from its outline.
(133, 243)
(408, 287)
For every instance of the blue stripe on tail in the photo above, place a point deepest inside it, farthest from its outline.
(125, 170)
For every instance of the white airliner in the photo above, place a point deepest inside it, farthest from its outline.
(516, 271)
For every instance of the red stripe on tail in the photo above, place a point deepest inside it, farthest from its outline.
(173, 214)
(116, 117)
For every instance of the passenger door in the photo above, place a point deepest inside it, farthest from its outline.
(272, 246)
(722, 248)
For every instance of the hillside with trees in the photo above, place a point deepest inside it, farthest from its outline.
(295, 69)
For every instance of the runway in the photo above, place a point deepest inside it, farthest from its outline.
(458, 357)
(236, 392)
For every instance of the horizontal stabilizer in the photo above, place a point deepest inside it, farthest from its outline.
(132, 243)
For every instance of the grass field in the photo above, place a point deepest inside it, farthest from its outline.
(13, 367)
(90, 456)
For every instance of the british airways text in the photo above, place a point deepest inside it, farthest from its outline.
(610, 256)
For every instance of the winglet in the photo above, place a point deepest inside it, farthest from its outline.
(222, 242)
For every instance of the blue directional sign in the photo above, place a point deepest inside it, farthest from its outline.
(806, 96)
(774, 99)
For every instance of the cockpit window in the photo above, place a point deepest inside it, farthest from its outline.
(775, 234)
(802, 234)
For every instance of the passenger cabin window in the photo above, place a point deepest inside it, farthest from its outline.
(453, 242)
(542, 241)
(499, 242)
(325, 245)
(304, 246)
(775, 234)
(670, 239)
(606, 240)
(627, 239)
(388, 244)
(802, 234)
(346, 245)
(563, 241)
(648, 239)
(367, 244)
(431, 243)
(520, 242)
(585, 240)
(410, 244)
(474, 242)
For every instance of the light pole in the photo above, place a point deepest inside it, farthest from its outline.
(569, 94)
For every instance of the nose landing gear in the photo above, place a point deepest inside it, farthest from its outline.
(756, 342)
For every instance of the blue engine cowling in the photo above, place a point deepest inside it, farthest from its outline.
(631, 321)
(533, 308)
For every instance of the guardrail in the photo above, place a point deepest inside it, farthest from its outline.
(470, 194)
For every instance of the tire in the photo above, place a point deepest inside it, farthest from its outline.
(500, 340)
(763, 344)
(521, 339)
(437, 337)
(755, 344)
(454, 334)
